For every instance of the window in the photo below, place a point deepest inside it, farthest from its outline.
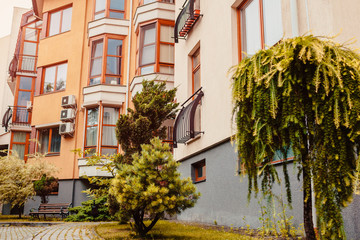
(105, 62)
(156, 48)
(27, 60)
(199, 171)
(109, 9)
(260, 25)
(195, 71)
(109, 144)
(49, 141)
(54, 78)
(60, 21)
(20, 144)
(23, 95)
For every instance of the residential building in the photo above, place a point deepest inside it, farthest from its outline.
(213, 37)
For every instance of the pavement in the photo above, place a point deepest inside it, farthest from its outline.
(62, 231)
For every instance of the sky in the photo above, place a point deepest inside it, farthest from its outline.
(6, 12)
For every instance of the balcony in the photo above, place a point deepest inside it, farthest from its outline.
(16, 118)
(187, 123)
(23, 64)
(108, 25)
(186, 19)
(114, 95)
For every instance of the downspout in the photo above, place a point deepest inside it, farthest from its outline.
(294, 18)
(128, 59)
(77, 109)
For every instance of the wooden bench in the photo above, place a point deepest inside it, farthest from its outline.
(61, 209)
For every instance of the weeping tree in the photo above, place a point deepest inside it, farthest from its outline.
(303, 94)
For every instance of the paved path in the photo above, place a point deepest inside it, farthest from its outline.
(63, 231)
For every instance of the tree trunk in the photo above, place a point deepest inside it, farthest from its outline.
(307, 197)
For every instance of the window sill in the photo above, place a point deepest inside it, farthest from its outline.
(200, 181)
(48, 93)
(193, 139)
(52, 154)
(55, 35)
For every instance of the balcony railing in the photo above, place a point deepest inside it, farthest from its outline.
(23, 64)
(188, 16)
(16, 116)
(187, 123)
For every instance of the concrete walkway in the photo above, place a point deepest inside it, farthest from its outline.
(83, 231)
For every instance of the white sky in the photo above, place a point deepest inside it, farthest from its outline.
(6, 13)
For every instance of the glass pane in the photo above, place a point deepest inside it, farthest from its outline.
(148, 55)
(251, 31)
(109, 136)
(114, 47)
(91, 152)
(197, 84)
(200, 171)
(196, 58)
(117, 4)
(55, 140)
(19, 137)
(100, 5)
(95, 80)
(149, 34)
(113, 65)
(66, 20)
(99, 15)
(108, 151)
(91, 136)
(111, 115)
(25, 83)
(273, 29)
(167, 69)
(31, 34)
(19, 149)
(61, 77)
(54, 23)
(166, 33)
(28, 63)
(96, 67)
(147, 70)
(113, 80)
(44, 140)
(166, 53)
(29, 48)
(97, 49)
(118, 15)
(49, 79)
(23, 97)
(92, 116)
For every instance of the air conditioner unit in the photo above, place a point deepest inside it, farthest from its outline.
(28, 105)
(68, 101)
(66, 128)
(67, 115)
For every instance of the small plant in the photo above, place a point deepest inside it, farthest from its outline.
(215, 222)
(44, 186)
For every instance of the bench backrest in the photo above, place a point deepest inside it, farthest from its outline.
(54, 207)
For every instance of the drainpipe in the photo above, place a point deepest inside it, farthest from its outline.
(128, 59)
(294, 18)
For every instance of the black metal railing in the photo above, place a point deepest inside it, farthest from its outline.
(188, 16)
(187, 123)
(16, 116)
(22, 63)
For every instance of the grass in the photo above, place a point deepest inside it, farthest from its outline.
(167, 230)
(15, 218)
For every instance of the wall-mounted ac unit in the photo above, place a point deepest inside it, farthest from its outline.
(28, 105)
(67, 115)
(68, 101)
(66, 128)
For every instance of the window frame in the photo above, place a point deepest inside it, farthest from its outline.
(195, 69)
(105, 38)
(107, 10)
(55, 81)
(140, 45)
(86, 131)
(51, 129)
(195, 168)
(61, 10)
(26, 143)
(108, 125)
(240, 26)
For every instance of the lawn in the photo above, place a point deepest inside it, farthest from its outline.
(15, 218)
(168, 230)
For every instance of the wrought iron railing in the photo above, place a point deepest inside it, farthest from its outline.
(6, 120)
(22, 63)
(16, 116)
(186, 19)
(187, 123)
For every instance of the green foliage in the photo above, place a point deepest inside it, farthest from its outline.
(86, 212)
(44, 186)
(152, 106)
(151, 185)
(302, 93)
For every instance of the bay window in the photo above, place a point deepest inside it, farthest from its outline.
(109, 9)
(60, 21)
(49, 141)
(54, 78)
(259, 25)
(156, 48)
(105, 62)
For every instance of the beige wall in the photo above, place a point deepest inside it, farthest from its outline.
(216, 34)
